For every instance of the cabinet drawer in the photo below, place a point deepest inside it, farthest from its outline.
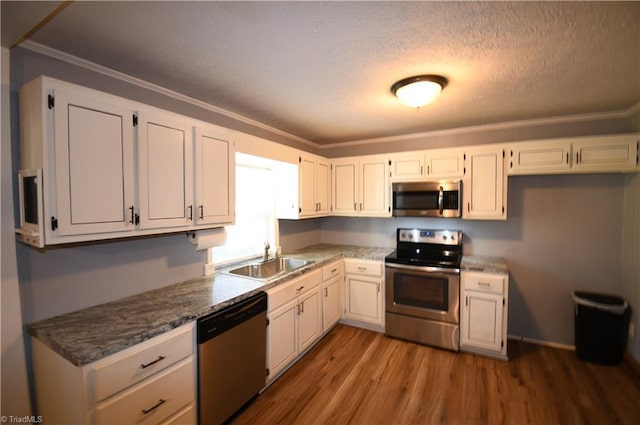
(287, 291)
(332, 270)
(186, 416)
(363, 267)
(483, 282)
(133, 365)
(153, 400)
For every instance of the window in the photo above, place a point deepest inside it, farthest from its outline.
(255, 212)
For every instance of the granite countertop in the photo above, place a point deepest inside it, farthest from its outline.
(93, 333)
(485, 264)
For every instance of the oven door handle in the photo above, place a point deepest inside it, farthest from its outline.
(422, 268)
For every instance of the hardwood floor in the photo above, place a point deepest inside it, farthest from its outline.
(354, 376)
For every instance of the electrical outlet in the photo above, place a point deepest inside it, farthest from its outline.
(632, 330)
(209, 269)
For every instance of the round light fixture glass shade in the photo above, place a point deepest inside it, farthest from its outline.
(420, 90)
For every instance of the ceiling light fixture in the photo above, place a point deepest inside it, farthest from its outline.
(419, 90)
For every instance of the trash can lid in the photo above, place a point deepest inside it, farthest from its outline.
(611, 303)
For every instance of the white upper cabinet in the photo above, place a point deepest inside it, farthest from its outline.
(78, 150)
(80, 143)
(428, 165)
(606, 153)
(361, 186)
(445, 164)
(595, 154)
(214, 177)
(315, 185)
(407, 167)
(539, 157)
(313, 189)
(485, 184)
(93, 163)
(165, 169)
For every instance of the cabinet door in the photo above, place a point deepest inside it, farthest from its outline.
(610, 153)
(323, 187)
(407, 167)
(307, 187)
(482, 321)
(165, 170)
(282, 337)
(485, 184)
(93, 164)
(448, 163)
(375, 188)
(539, 157)
(344, 188)
(309, 318)
(215, 178)
(330, 303)
(363, 299)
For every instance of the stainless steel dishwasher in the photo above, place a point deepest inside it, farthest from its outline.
(232, 346)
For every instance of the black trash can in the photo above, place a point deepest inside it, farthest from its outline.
(601, 327)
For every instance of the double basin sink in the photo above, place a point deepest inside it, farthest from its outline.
(265, 270)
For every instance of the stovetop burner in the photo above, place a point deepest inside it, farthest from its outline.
(431, 248)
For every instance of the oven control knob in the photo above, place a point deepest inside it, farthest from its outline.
(444, 237)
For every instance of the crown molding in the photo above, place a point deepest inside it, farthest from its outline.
(83, 63)
(92, 66)
(567, 119)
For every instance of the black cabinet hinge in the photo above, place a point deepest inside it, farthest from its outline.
(299, 159)
(502, 344)
(503, 302)
(135, 120)
(389, 163)
(503, 153)
(267, 321)
(268, 372)
(54, 224)
(136, 219)
(51, 102)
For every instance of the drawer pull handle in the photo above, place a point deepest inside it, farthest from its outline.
(362, 269)
(334, 270)
(300, 289)
(144, 366)
(485, 284)
(154, 407)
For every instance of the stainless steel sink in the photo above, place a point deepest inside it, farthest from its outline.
(270, 268)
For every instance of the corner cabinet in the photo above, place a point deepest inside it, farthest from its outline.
(363, 294)
(360, 187)
(484, 190)
(484, 311)
(315, 186)
(108, 168)
(150, 383)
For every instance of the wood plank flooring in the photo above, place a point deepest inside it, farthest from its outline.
(354, 376)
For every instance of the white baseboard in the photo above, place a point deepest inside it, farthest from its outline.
(541, 342)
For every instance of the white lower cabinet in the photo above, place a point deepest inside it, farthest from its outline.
(150, 383)
(331, 294)
(295, 320)
(363, 294)
(483, 316)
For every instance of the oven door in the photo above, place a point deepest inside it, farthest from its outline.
(423, 292)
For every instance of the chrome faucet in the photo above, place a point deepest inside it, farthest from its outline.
(266, 251)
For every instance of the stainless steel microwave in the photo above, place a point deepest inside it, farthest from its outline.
(428, 199)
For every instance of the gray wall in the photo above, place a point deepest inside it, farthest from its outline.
(15, 392)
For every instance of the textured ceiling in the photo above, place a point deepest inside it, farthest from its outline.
(322, 70)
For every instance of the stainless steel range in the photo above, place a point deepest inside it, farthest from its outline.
(422, 279)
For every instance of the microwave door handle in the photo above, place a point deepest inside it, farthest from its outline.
(441, 200)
